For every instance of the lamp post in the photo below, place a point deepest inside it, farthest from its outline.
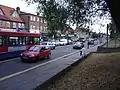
(107, 34)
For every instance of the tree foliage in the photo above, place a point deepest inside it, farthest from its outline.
(79, 12)
(114, 32)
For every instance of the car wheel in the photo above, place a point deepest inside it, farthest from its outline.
(49, 56)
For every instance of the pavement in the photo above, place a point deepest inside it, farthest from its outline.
(32, 77)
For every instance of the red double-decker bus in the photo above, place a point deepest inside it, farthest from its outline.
(11, 42)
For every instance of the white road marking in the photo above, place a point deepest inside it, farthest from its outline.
(18, 57)
(39, 65)
(34, 67)
(9, 60)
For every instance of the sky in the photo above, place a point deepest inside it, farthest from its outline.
(32, 9)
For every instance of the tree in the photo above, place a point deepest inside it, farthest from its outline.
(94, 35)
(113, 30)
(55, 15)
(79, 12)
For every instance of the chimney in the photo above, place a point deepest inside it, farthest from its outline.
(38, 14)
(18, 10)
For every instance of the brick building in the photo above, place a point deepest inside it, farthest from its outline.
(10, 19)
(34, 23)
(15, 20)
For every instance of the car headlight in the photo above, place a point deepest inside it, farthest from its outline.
(32, 55)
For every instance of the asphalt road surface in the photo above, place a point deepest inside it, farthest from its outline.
(15, 65)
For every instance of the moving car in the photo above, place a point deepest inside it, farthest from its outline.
(49, 45)
(78, 45)
(63, 42)
(36, 52)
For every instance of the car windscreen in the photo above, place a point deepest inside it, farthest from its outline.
(35, 48)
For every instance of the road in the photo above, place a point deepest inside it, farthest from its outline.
(15, 65)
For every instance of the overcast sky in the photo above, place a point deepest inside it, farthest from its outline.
(32, 9)
(19, 3)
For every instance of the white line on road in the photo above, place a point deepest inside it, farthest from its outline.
(34, 67)
(39, 65)
(9, 60)
(18, 57)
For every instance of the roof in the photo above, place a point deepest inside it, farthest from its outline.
(24, 13)
(8, 11)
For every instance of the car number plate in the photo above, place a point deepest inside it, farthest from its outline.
(25, 57)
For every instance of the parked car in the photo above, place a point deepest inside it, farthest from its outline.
(49, 45)
(63, 42)
(36, 52)
(78, 45)
(57, 43)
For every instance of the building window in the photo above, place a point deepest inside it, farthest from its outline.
(8, 24)
(23, 25)
(38, 19)
(31, 18)
(41, 20)
(40, 27)
(19, 25)
(0, 23)
(31, 27)
(45, 28)
(14, 25)
(45, 21)
(3, 23)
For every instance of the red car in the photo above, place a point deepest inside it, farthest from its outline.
(36, 52)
